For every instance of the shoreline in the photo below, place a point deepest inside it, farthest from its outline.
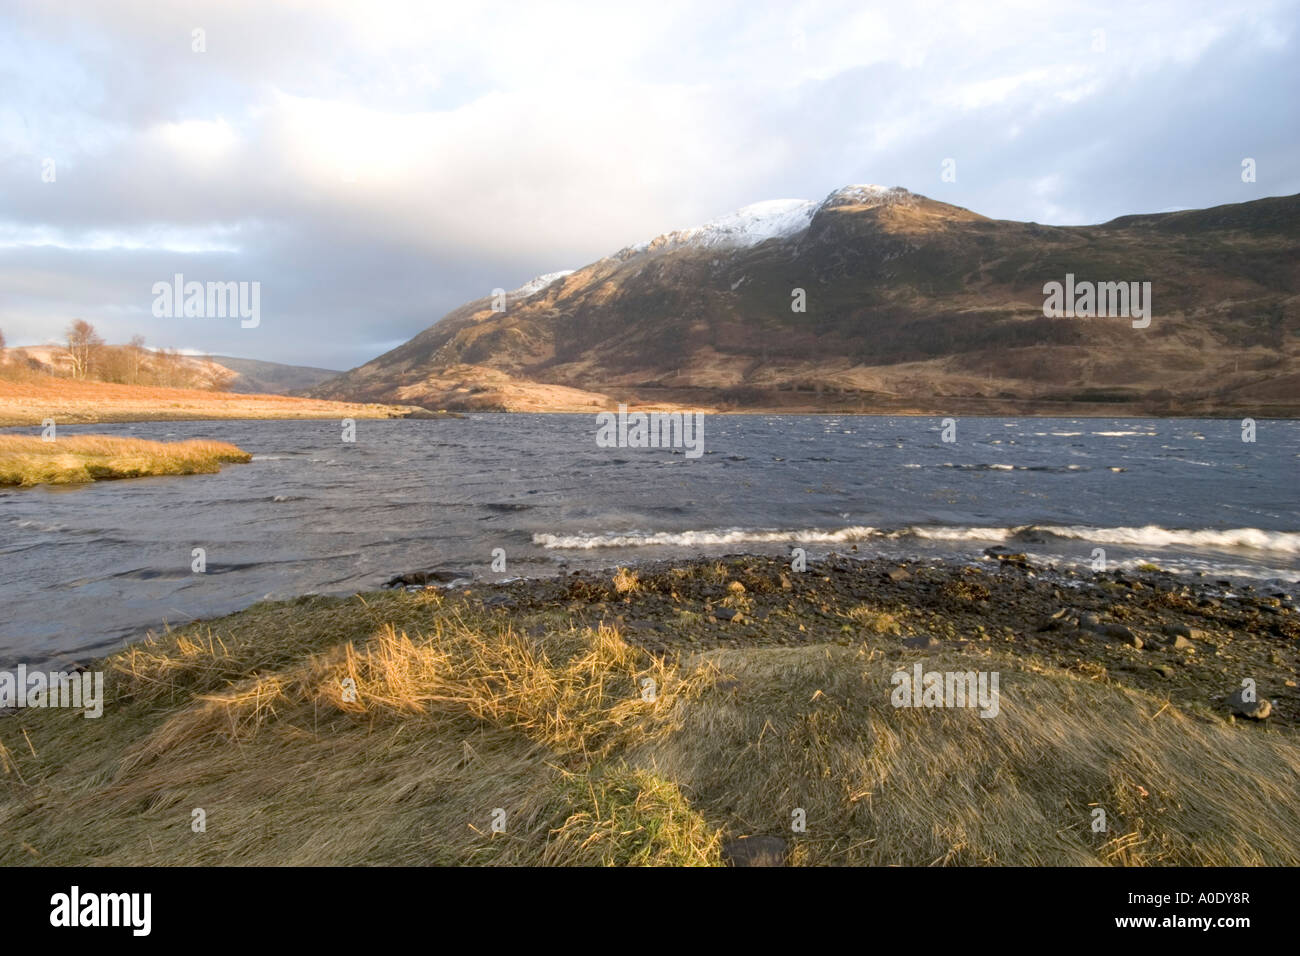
(27, 403)
(1143, 622)
(1129, 619)
(1271, 594)
(673, 712)
(1285, 413)
(381, 413)
(330, 410)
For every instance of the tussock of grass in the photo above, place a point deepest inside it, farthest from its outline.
(626, 582)
(874, 621)
(27, 460)
(626, 817)
(391, 729)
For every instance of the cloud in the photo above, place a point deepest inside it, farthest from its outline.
(375, 165)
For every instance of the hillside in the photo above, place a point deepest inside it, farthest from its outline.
(174, 370)
(912, 305)
(270, 378)
(121, 364)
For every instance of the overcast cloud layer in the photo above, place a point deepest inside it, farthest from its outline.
(373, 164)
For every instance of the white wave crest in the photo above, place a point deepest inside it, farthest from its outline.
(640, 539)
(1150, 536)
(1285, 542)
(957, 533)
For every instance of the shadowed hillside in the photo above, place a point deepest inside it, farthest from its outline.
(911, 305)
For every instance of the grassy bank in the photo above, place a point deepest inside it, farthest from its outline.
(68, 401)
(624, 720)
(27, 460)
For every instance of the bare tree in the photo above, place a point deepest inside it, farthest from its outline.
(169, 368)
(82, 343)
(134, 359)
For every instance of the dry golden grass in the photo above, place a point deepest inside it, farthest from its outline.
(626, 581)
(67, 401)
(391, 729)
(873, 621)
(27, 460)
(812, 728)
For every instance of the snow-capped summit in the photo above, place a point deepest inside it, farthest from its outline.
(774, 219)
(752, 224)
(539, 283)
(869, 195)
(747, 226)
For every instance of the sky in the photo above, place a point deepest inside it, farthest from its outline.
(372, 165)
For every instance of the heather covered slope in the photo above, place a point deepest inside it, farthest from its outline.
(911, 304)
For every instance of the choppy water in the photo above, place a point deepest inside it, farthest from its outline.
(84, 568)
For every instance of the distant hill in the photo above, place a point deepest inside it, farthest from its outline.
(271, 378)
(121, 364)
(911, 305)
(172, 369)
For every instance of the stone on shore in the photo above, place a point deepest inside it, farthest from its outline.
(1257, 709)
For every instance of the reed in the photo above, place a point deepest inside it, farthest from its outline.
(28, 460)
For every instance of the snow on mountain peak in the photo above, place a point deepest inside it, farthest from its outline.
(774, 219)
(747, 226)
(752, 224)
(539, 283)
(869, 195)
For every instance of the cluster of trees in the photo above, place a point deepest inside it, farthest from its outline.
(83, 355)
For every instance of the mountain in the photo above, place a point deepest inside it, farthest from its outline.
(253, 376)
(910, 305)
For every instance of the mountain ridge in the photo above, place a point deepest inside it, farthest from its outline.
(911, 304)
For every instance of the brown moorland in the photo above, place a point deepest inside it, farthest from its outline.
(68, 401)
